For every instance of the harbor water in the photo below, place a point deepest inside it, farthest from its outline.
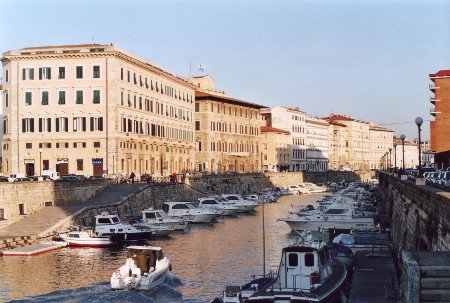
(205, 260)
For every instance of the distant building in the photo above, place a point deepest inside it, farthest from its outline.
(338, 148)
(227, 131)
(94, 109)
(275, 149)
(291, 120)
(440, 127)
(411, 154)
(381, 140)
(317, 144)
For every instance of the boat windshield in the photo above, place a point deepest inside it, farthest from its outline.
(336, 211)
(115, 220)
(232, 198)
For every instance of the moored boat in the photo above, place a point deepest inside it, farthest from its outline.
(160, 217)
(85, 238)
(109, 225)
(145, 268)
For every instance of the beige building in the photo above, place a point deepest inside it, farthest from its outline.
(356, 144)
(94, 109)
(411, 154)
(381, 140)
(317, 144)
(338, 150)
(276, 149)
(227, 131)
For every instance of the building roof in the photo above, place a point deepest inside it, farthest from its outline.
(204, 96)
(268, 129)
(441, 73)
(65, 46)
(379, 128)
(334, 117)
(337, 123)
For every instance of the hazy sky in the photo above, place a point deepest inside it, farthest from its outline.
(367, 59)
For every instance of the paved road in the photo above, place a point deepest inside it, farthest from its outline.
(49, 216)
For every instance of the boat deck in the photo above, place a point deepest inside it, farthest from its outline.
(339, 273)
(374, 279)
(34, 249)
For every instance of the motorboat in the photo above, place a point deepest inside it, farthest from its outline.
(145, 268)
(332, 218)
(109, 225)
(189, 212)
(85, 238)
(307, 273)
(314, 188)
(160, 217)
(252, 197)
(222, 209)
(239, 202)
(294, 189)
(158, 230)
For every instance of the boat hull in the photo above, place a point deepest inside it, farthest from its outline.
(360, 224)
(119, 237)
(90, 243)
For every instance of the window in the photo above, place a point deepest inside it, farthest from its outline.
(28, 125)
(28, 145)
(45, 73)
(45, 125)
(292, 259)
(61, 72)
(121, 98)
(79, 72)
(5, 126)
(96, 96)
(28, 74)
(309, 259)
(6, 100)
(62, 124)
(197, 125)
(21, 209)
(79, 164)
(79, 97)
(28, 98)
(45, 164)
(6, 76)
(96, 144)
(79, 124)
(121, 73)
(44, 99)
(96, 71)
(62, 97)
(96, 123)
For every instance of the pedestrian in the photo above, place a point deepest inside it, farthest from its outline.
(132, 176)
(149, 178)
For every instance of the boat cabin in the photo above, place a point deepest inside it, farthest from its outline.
(207, 202)
(144, 257)
(153, 214)
(168, 206)
(303, 268)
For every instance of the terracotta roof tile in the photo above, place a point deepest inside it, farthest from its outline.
(338, 118)
(441, 73)
(204, 96)
(267, 129)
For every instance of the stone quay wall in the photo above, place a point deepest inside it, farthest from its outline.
(35, 195)
(419, 216)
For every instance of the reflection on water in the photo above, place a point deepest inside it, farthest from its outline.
(204, 260)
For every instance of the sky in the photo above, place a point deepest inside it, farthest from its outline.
(367, 59)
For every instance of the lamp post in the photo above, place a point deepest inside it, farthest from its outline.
(390, 159)
(403, 137)
(395, 156)
(40, 162)
(419, 122)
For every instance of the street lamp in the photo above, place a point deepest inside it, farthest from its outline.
(419, 122)
(390, 158)
(40, 162)
(403, 137)
(395, 156)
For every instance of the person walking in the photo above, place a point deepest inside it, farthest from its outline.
(149, 178)
(132, 176)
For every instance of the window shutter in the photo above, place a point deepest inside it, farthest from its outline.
(23, 125)
(23, 74)
(100, 124)
(40, 125)
(32, 125)
(49, 122)
(32, 74)
(92, 124)
(66, 124)
(49, 73)
(84, 124)
(40, 73)
(57, 124)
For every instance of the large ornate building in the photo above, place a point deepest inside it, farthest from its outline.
(317, 144)
(227, 131)
(94, 109)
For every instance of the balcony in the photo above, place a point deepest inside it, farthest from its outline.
(432, 87)
(433, 112)
(433, 100)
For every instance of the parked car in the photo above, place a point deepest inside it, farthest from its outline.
(21, 179)
(446, 181)
(3, 179)
(96, 178)
(69, 178)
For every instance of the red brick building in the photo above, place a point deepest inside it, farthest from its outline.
(440, 127)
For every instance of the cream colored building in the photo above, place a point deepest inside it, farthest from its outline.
(411, 154)
(356, 144)
(381, 140)
(227, 131)
(317, 144)
(338, 151)
(276, 149)
(293, 121)
(94, 109)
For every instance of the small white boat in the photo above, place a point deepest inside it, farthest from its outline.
(222, 209)
(160, 217)
(85, 238)
(189, 212)
(239, 202)
(145, 268)
(109, 225)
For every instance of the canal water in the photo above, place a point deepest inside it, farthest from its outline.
(205, 260)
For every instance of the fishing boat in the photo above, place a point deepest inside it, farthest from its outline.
(85, 238)
(306, 274)
(145, 268)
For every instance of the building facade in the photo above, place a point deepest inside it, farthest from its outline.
(440, 126)
(338, 146)
(381, 141)
(291, 120)
(93, 110)
(227, 132)
(410, 152)
(317, 144)
(276, 149)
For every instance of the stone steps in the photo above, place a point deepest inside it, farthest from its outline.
(435, 284)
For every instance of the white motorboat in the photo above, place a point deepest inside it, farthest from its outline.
(239, 202)
(85, 238)
(306, 273)
(338, 218)
(294, 189)
(253, 197)
(109, 225)
(222, 209)
(314, 188)
(188, 212)
(145, 268)
(160, 217)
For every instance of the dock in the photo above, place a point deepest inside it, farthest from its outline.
(374, 279)
(34, 249)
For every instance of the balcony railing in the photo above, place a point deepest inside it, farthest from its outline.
(433, 112)
(433, 100)
(432, 87)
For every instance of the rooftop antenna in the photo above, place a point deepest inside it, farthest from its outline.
(92, 41)
(201, 69)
